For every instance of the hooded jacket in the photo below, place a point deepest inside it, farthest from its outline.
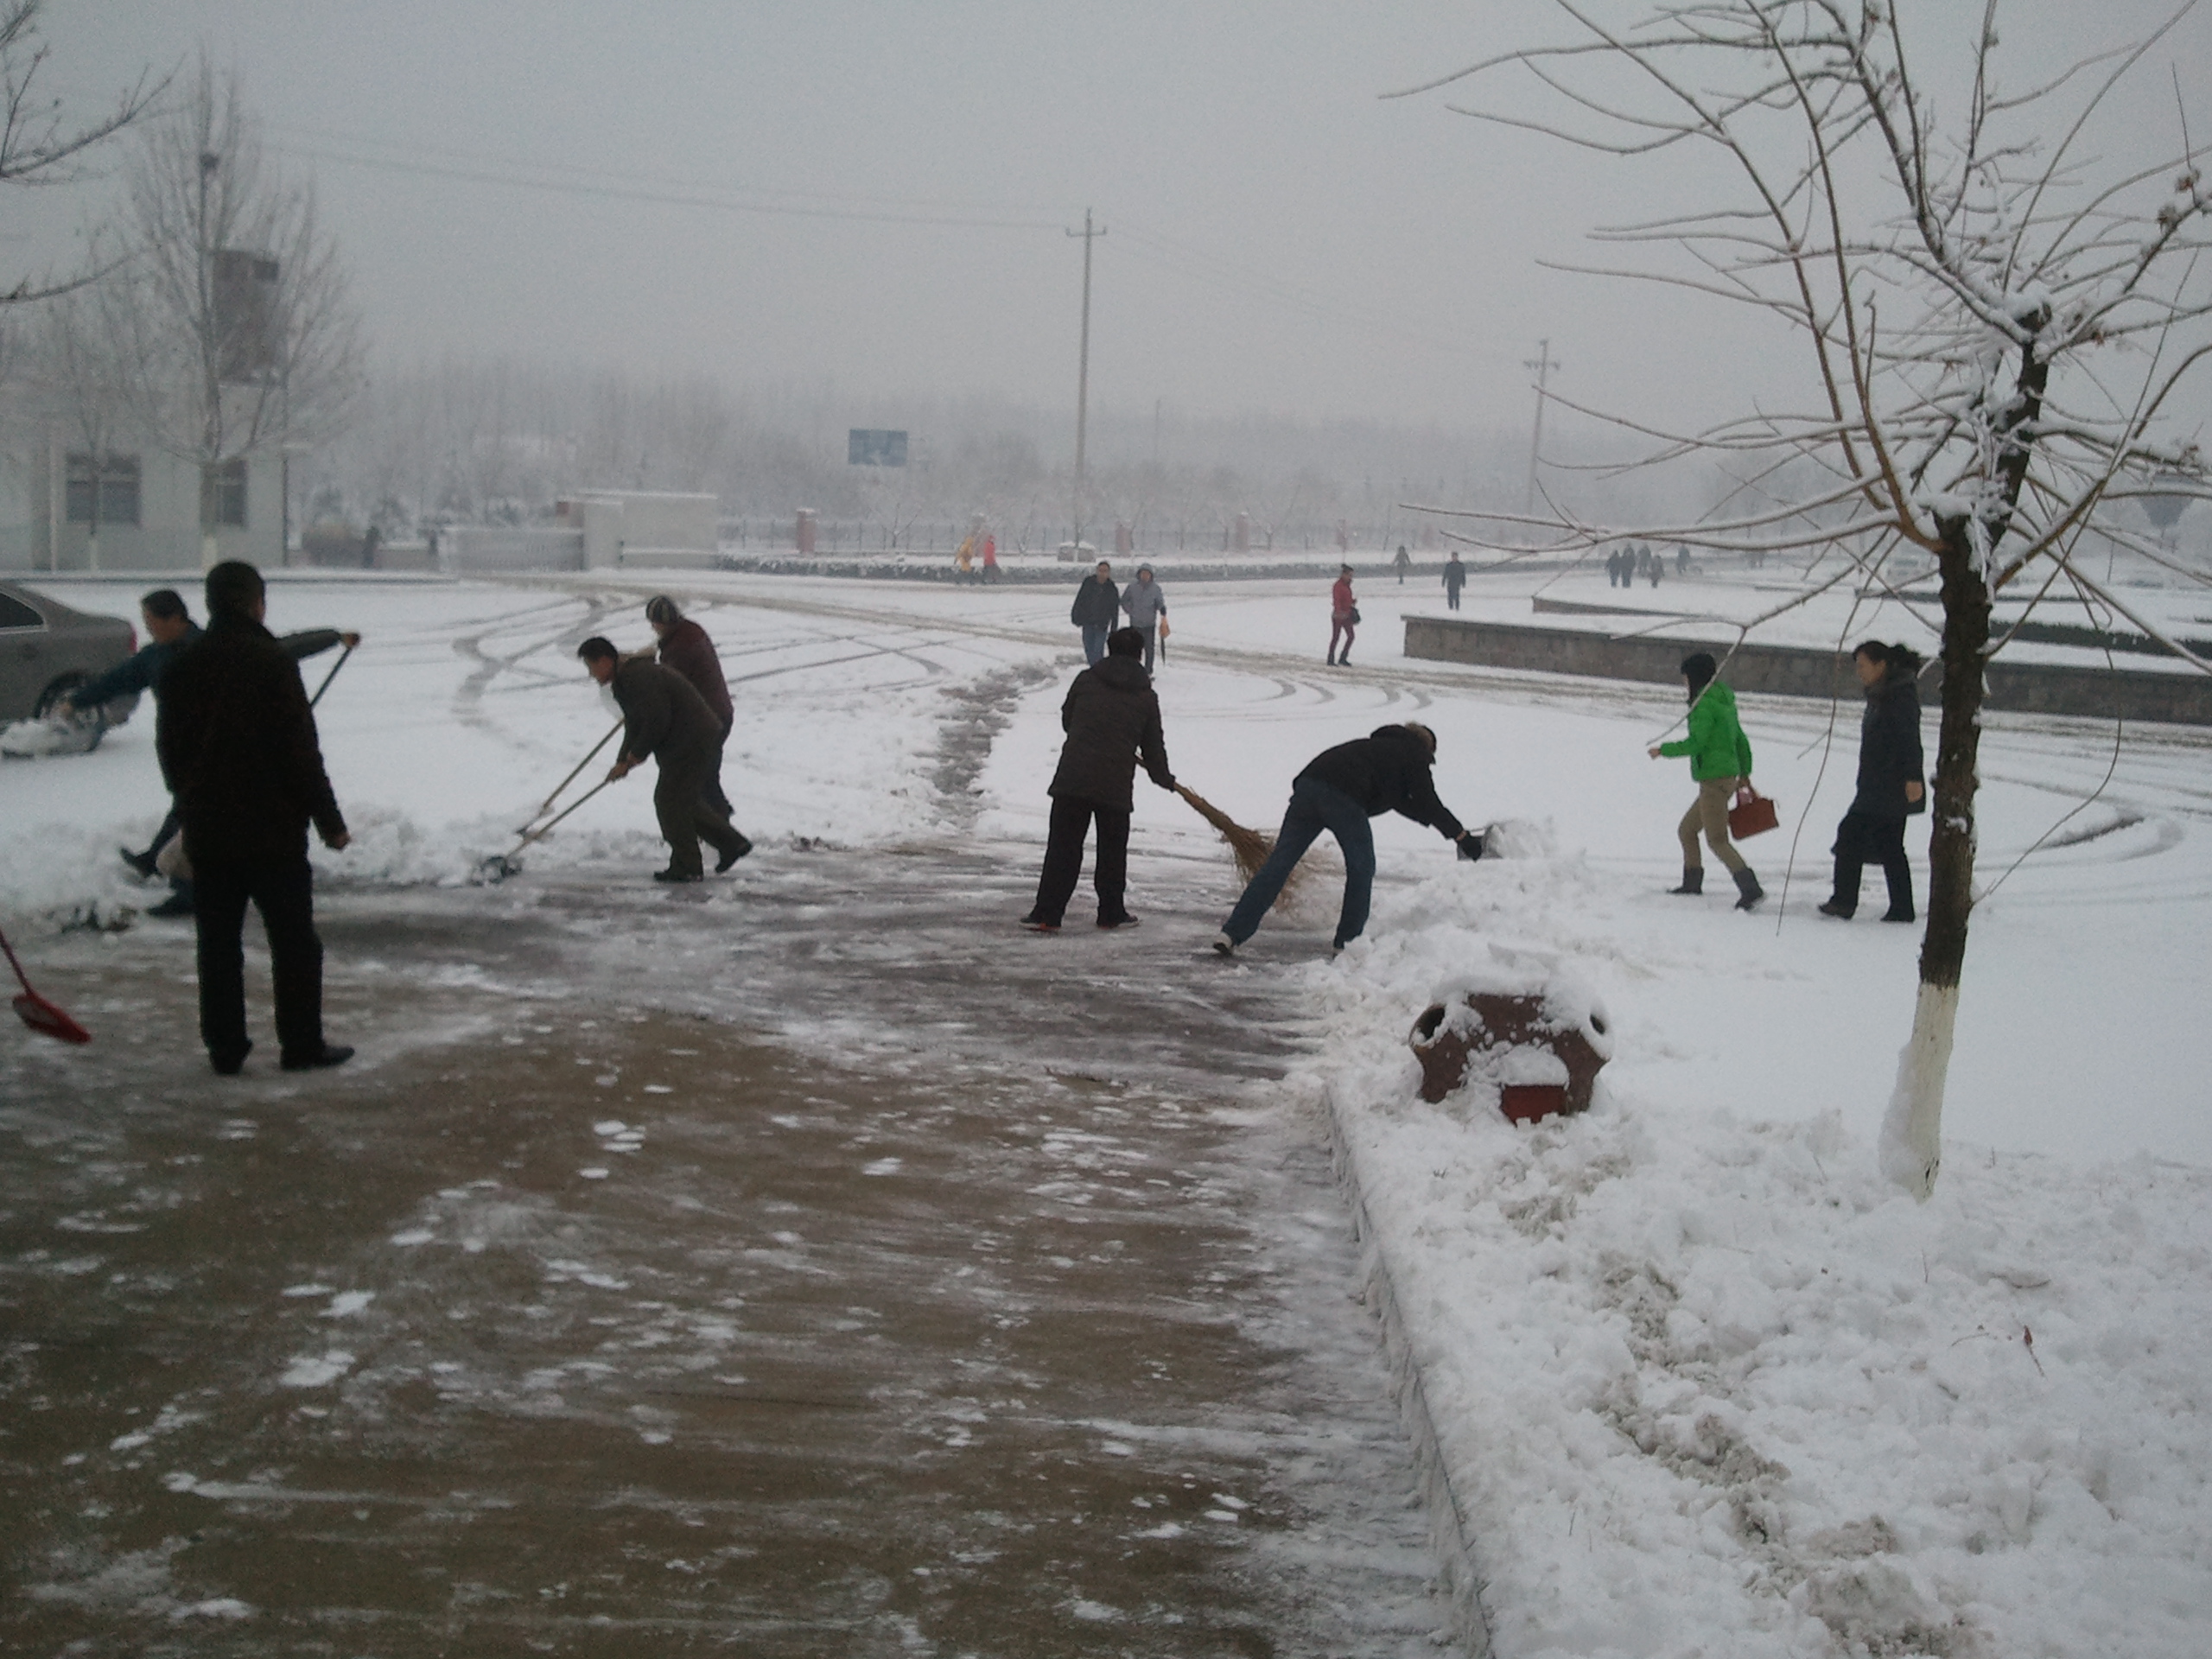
(1716, 744)
(1889, 750)
(1111, 715)
(237, 747)
(1097, 604)
(1144, 601)
(1386, 771)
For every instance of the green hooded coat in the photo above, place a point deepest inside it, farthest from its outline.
(1716, 744)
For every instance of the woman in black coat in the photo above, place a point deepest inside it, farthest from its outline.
(1890, 786)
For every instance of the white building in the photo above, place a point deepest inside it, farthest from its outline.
(147, 507)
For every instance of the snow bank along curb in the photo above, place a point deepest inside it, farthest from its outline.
(1685, 1381)
(2099, 693)
(1449, 1533)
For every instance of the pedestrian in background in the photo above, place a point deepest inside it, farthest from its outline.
(1402, 563)
(1145, 603)
(1097, 609)
(1343, 618)
(238, 747)
(1455, 578)
(1721, 763)
(990, 559)
(1111, 716)
(663, 717)
(1386, 771)
(1890, 782)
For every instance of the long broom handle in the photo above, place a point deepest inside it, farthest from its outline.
(546, 828)
(546, 806)
(24, 977)
(328, 677)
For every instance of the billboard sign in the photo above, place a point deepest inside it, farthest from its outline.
(869, 447)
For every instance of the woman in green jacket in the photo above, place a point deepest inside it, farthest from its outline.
(1720, 761)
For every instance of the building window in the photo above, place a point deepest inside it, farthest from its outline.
(222, 494)
(113, 484)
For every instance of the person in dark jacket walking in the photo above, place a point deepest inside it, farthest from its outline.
(663, 717)
(1455, 578)
(1890, 782)
(1720, 764)
(1386, 771)
(238, 747)
(1097, 610)
(1111, 715)
(685, 647)
(1401, 564)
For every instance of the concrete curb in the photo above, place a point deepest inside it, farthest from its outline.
(1450, 1534)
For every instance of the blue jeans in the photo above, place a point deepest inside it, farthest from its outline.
(1094, 641)
(1314, 806)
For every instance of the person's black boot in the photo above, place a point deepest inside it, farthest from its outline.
(1693, 879)
(1838, 909)
(140, 863)
(1748, 889)
(178, 903)
(732, 853)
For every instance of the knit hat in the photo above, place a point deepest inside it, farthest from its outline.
(1698, 668)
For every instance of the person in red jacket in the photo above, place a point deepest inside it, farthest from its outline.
(1343, 617)
(685, 647)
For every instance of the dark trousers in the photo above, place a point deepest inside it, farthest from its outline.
(1339, 629)
(1063, 859)
(162, 836)
(1451, 599)
(1151, 639)
(1094, 641)
(282, 890)
(1860, 841)
(1314, 806)
(680, 803)
(712, 794)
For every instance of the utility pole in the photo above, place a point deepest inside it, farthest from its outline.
(1082, 369)
(1542, 363)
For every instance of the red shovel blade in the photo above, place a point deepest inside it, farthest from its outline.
(41, 1015)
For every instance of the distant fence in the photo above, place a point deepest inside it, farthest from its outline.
(1799, 671)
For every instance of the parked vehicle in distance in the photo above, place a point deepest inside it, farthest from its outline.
(47, 648)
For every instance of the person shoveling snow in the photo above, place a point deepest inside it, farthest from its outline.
(1386, 771)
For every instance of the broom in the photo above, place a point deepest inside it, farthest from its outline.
(1250, 846)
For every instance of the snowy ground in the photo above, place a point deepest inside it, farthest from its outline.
(1703, 1383)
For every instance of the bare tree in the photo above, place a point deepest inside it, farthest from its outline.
(78, 370)
(40, 145)
(1991, 322)
(241, 333)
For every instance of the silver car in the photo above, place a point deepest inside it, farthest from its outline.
(48, 649)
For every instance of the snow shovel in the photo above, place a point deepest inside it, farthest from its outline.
(36, 1011)
(500, 866)
(328, 677)
(546, 806)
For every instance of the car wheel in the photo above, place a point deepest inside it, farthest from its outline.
(61, 685)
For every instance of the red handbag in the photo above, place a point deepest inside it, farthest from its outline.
(1753, 817)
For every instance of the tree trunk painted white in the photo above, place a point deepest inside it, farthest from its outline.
(1911, 1147)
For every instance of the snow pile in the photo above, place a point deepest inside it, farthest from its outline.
(1707, 1384)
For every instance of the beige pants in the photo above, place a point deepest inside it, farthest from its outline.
(1709, 813)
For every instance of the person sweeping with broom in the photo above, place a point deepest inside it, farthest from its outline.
(1111, 716)
(1386, 771)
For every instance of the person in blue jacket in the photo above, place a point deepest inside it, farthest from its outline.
(170, 632)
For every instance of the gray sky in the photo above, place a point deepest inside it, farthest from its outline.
(1279, 237)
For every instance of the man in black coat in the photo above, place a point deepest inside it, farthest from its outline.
(1891, 788)
(663, 716)
(1386, 771)
(1098, 607)
(1111, 715)
(237, 747)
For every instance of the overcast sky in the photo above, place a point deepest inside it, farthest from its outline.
(551, 178)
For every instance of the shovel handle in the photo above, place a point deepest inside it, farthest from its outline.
(546, 806)
(328, 677)
(546, 828)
